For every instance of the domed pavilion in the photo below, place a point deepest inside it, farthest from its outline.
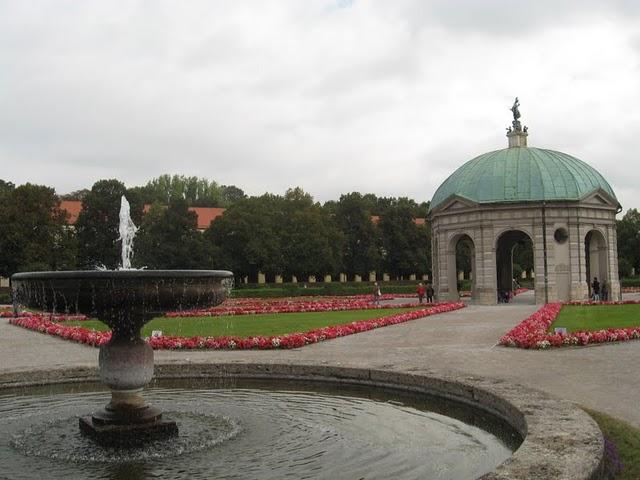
(501, 199)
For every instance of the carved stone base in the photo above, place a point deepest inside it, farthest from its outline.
(130, 435)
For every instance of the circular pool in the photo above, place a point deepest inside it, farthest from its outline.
(301, 421)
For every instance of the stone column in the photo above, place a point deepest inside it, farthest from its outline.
(615, 290)
(485, 266)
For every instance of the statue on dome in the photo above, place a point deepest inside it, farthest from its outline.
(517, 126)
(514, 109)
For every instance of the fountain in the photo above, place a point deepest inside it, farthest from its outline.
(125, 300)
(241, 420)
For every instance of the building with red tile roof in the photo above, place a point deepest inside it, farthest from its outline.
(73, 209)
(205, 215)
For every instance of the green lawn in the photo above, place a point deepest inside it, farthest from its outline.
(627, 441)
(250, 325)
(598, 317)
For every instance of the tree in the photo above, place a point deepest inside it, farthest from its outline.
(97, 225)
(276, 235)
(246, 237)
(361, 252)
(522, 257)
(34, 235)
(311, 241)
(404, 244)
(198, 192)
(628, 230)
(231, 194)
(6, 188)
(75, 195)
(169, 239)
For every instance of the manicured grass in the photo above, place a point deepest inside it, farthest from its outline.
(250, 325)
(627, 441)
(597, 317)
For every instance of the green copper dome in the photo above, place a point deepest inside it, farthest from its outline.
(522, 174)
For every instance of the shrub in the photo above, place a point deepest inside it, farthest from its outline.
(333, 288)
(630, 282)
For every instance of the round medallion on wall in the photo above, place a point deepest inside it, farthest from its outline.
(561, 235)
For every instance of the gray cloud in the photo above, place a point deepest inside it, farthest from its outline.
(333, 96)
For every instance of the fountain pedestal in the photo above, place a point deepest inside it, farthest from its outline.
(126, 367)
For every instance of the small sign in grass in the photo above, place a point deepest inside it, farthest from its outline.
(249, 325)
(576, 318)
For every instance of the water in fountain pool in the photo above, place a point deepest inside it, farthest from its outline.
(255, 430)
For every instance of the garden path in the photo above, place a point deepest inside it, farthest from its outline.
(603, 377)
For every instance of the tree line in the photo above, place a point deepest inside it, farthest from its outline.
(287, 235)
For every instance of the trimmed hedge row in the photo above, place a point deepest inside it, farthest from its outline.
(630, 282)
(5, 295)
(334, 288)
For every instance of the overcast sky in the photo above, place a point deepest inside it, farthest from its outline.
(387, 97)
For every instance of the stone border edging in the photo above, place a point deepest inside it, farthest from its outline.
(561, 442)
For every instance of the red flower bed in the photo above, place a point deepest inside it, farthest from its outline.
(250, 306)
(48, 324)
(533, 331)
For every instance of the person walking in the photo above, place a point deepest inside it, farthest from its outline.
(421, 291)
(595, 288)
(376, 294)
(430, 293)
(604, 291)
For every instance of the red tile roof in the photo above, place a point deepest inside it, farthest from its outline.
(73, 208)
(205, 214)
(418, 221)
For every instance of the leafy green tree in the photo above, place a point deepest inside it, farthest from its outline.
(523, 257)
(405, 245)
(75, 195)
(246, 238)
(361, 248)
(169, 239)
(98, 222)
(198, 192)
(6, 188)
(33, 234)
(311, 241)
(463, 256)
(628, 230)
(231, 194)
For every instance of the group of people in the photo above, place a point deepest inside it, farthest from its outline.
(421, 290)
(599, 292)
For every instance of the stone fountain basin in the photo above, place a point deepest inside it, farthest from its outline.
(107, 294)
(560, 441)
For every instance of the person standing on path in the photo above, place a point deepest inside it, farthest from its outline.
(604, 291)
(421, 291)
(376, 294)
(430, 293)
(595, 288)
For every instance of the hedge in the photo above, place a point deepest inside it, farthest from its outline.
(630, 282)
(333, 288)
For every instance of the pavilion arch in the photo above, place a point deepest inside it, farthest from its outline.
(453, 263)
(505, 244)
(596, 258)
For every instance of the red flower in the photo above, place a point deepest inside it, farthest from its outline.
(49, 324)
(533, 331)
